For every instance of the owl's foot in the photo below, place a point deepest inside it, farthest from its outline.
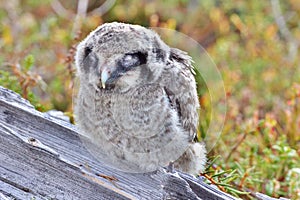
(170, 167)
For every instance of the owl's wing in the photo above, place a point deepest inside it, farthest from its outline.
(180, 86)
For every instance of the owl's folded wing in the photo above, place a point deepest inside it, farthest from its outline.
(179, 84)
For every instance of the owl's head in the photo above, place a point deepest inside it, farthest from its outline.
(120, 56)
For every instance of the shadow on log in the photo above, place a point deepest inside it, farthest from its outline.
(42, 157)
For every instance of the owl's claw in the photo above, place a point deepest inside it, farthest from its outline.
(170, 167)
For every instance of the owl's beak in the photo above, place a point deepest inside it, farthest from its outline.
(104, 77)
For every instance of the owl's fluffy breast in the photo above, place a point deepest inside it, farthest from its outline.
(140, 119)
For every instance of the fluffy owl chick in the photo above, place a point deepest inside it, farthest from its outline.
(137, 99)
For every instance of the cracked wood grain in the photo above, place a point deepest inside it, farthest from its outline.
(42, 157)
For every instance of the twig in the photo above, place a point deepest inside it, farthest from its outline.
(60, 9)
(81, 14)
(213, 182)
(281, 23)
(236, 146)
(103, 8)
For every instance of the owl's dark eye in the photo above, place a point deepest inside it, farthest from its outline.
(87, 51)
(133, 60)
(90, 60)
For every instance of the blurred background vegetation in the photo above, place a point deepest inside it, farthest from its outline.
(254, 44)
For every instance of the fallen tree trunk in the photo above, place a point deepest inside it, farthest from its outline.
(42, 157)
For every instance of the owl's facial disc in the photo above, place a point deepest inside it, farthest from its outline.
(124, 66)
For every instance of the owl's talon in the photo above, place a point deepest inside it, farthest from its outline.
(170, 167)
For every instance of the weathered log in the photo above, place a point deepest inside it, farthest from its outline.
(42, 157)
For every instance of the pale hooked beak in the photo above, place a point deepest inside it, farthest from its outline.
(104, 77)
